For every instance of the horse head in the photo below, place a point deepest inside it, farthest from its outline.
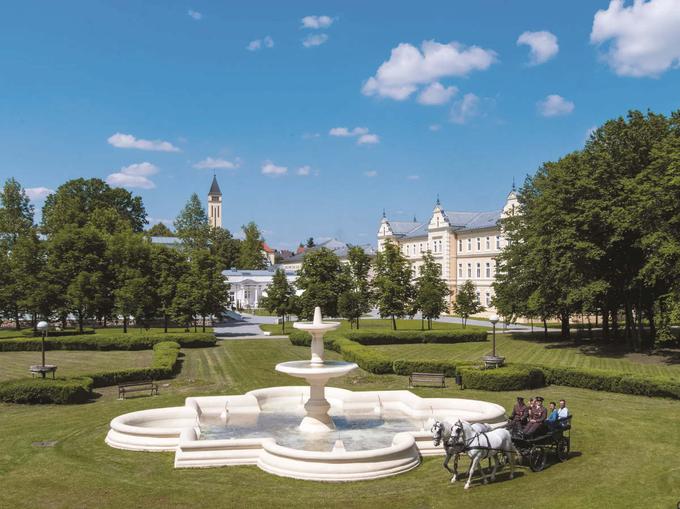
(437, 431)
(458, 433)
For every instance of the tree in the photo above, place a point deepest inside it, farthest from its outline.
(224, 247)
(280, 298)
(431, 291)
(360, 299)
(467, 302)
(160, 230)
(168, 268)
(210, 289)
(93, 202)
(351, 306)
(323, 279)
(392, 283)
(192, 225)
(185, 306)
(16, 212)
(250, 255)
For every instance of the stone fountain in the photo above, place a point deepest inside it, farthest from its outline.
(317, 371)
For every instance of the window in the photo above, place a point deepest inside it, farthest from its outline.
(479, 297)
(479, 244)
(479, 270)
(469, 270)
(460, 270)
(488, 243)
(488, 269)
(469, 244)
(498, 241)
(460, 245)
(421, 247)
(440, 246)
(487, 299)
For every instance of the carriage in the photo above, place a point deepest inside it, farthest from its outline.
(535, 448)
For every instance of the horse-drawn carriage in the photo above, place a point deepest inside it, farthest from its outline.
(554, 438)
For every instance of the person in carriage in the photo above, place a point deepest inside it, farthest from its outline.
(537, 416)
(518, 418)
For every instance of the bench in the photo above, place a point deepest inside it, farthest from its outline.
(429, 379)
(42, 370)
(128, 387)
(493, 362)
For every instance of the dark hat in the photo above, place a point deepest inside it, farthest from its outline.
(539, 398)
(520, 398)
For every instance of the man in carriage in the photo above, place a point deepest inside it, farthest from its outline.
(519, 415)
(537, 416)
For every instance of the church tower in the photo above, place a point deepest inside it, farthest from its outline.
(215, 204)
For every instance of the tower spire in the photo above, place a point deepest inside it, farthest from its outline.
(384, 215)
(438, 203)
(513, 183)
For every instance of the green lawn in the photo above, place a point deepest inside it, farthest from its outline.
(625, 451)
(72, 363)
(542, 352)
(373, 324)
(13, 333)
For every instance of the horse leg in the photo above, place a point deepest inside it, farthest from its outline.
(455, 467)
(495, 467)
(446, 462)
(475, 462)
(511, 454)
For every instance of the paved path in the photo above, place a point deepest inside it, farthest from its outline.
(248, 328)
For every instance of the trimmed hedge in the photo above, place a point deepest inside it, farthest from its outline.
(411, 337)
(39, 390)
(506, 378)
(165, 356)
(406, 367)
(130, 341)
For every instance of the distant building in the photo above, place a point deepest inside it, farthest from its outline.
(173, 242)
(341, 249)
(247, 286)
(215, 204)
(269, 254)
(465, 244)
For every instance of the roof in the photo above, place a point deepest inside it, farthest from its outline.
(403, 227)
(266, 248)
(474, 220)
(172, 241)
(337, 246)
(215, 187)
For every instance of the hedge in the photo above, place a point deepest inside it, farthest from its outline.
(163, 365)
(410, 337)
(39, 390)
(406, 366)
(130, 341)
(507, 378)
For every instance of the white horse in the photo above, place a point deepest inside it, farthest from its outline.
(481, 445)
(441, 433)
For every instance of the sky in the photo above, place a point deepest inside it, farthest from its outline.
(316, 116)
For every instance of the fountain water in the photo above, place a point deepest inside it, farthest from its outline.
(316, 372)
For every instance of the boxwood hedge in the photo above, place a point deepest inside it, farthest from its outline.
(130, 341)
(410, 337)
(506, 378)
(39, 390)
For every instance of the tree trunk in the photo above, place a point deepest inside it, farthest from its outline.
(394, 323)
(605, 323)
(565, 326)
(627, 324)
(615, 323)
(283, 324)
(125, 324)
(545, 326)
(80, 322)
(195, 325)
(104, 322)
(652, 326)
(165, 322)
(357, 323)
(429, 323)
(203, 323)
(17, 324)
(63, 321)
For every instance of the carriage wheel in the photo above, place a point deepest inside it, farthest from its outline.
(563, 449)
(537, 459)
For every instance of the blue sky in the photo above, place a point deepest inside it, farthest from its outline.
(144, 93)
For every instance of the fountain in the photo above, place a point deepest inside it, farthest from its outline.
(310, 432)
(316, 372)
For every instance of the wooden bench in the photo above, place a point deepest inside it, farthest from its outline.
(493, 362)
(42, 370)
(128, 387)
(429, 379)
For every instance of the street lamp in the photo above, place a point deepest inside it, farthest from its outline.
(494, 320)
(42, 327)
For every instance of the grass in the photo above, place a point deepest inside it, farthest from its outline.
(372, 324)
(543, 353)
(72, 363)
(621, 459)
(27, 332)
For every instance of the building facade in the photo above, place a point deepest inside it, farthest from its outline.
(340, 248)
(215, 204)
(247, 287)
(465, 244)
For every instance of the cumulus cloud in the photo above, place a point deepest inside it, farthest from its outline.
(371, 173)
(314, 40)
(542, 46)
(464, 109)
(134, 176)
(38, 193)
(310, 136)
(435, 127)
(272, 170)
(436, 93)
(258, 44)
(210, 163)
(642, 39)
(413, 177)
(344, 132)
(120, 140)
(316, 22)
(368, 139)
(195, 15)
(409, 67)
(554, 106)
(304, 171)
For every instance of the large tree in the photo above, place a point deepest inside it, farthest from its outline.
(280, 299)
(467, 302)
(431, 291)
(358, 299)
(392, 283)
(210, 289)
(16, 213)
(168, 267)
(250, 254)
(160, 230)
(323, 279)
(192, 225)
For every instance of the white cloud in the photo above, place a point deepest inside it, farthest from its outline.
(465, 109)
(409, 67)
(304, 171)
(542, 46)
(554, 106)
(210, 163)
(371, 173)
(344, 132)
(134, 176)
(436, 93)
(316, 22)
(195, 15)
(269, 168)
(643, 38)
(38, 193)
(413, 177)
(368, 139)
(120, 140)
(310, 136)
(257, 44)
(435, 127)
(314, 40)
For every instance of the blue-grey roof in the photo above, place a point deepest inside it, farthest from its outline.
(247, 272)
(337, 246)
(166, 240)
(403, 227)
(420, 231)
(474, 220)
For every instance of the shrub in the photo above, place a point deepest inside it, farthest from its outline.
(108, 342)
(38, 390)
(506, 378)
(367, 359)
(406, 367)
(410, 337)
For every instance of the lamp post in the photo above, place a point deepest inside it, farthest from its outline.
(494, 320)
(42, 327)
